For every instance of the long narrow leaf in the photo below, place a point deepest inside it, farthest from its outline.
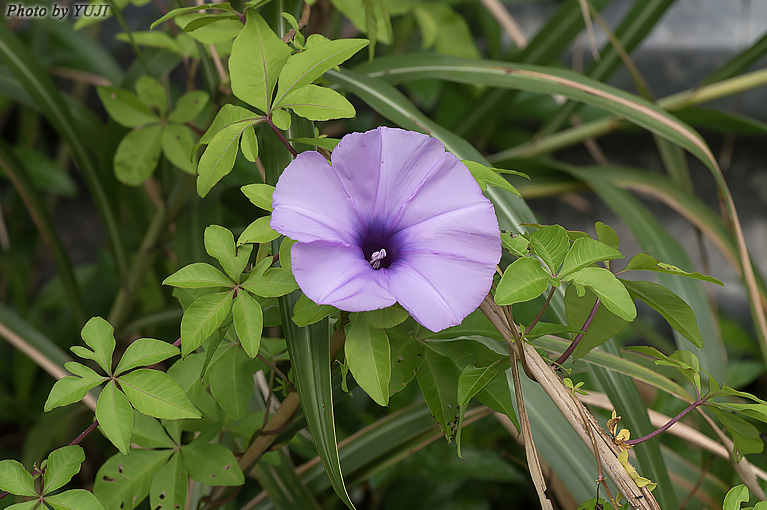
(30, 73)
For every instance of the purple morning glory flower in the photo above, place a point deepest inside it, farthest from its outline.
(395, 218)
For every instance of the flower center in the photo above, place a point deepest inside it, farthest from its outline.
(377, 257)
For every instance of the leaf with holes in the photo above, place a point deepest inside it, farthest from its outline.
(63, 464)
(156, 394)
(145, 352)
(123, 481)
(98, 334)
(189, 106)
(177, 143)
(152, 93)
(168, 489)
(115, 416)
(471, 381)
(438, 378)
(406, 358)
(212, 464)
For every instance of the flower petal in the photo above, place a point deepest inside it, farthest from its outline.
(381, 169)
(310, 204)
(439, 290)
(337, 274)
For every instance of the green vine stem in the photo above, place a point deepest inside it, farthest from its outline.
(667, 425)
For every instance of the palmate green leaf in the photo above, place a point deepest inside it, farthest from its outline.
(248, 322)
(318, 103)
(224, 6)
(15, 479)
(673, 308)
(305, 67)
(584, 252)
(219, 243)
(198, 276)
(604, 326)
(177, 143)
(258, 232)
(445, 29)
(231, 380)
(355, 11)
(75, 499)
(551, 244)
(68, 390)
(115, 416)
(368, 357)
(145, 352)
(63, 464)
(309, 349)
(202, 318)
(736, 496)
(438, 379)
(212, 464)
(608, 288)
(152, 93)
(149, 433)
(260, 195)
(645, 262)
(257, 58)
(123, 481)
(137, 155)
(276, 282)
(125, 108)
(189, 106)
(27, 505)
(406, 358)
(523, 280)
(169, 485)
(156, 394)
(229, 115)
(98, 334)
(161, 40)
(484, 176)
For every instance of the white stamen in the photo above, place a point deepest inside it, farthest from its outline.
(377, 257)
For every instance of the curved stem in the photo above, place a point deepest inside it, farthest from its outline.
(578, 338)
(543, 309)
(664, 428)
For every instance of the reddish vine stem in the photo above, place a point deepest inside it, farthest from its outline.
(578, 338)
(664, 428)
(543, 309)
(281, 137)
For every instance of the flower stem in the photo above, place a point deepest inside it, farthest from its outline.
(543, 309)
(664, 428)
(281, 137)
(578, 338)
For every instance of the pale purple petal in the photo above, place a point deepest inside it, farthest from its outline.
(449, 187)
(439, 290)
(309, 203)
(337, 274)
(382, 169)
